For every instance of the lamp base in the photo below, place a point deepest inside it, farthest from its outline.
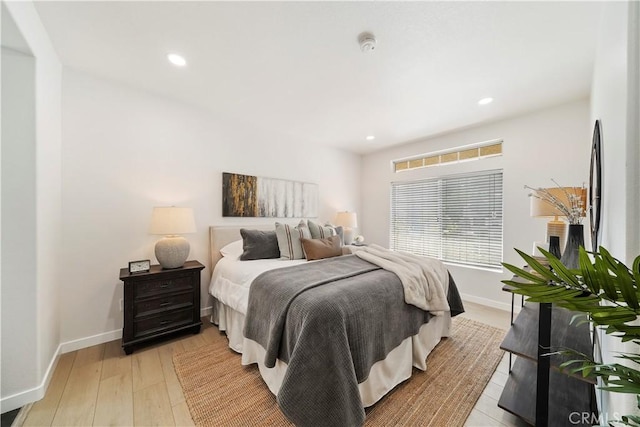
(172, 251)
(348, 235)
(557, 228)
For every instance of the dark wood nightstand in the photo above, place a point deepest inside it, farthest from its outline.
(160, 302)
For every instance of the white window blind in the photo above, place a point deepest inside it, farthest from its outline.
(454, 218)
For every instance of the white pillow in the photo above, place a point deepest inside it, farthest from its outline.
(232, 250)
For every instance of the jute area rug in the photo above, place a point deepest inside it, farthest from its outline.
(221, 392)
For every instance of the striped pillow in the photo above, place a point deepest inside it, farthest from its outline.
(289, 240)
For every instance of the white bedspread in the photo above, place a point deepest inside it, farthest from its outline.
(232, 278)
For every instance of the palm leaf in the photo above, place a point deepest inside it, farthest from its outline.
(560, 270)
(627, 419)
(610, 261)
(537, 266)
(625, 283)
(589, 274)
(555, 297)
(523, 274)
(606, 282)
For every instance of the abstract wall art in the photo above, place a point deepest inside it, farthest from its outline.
(252, 196)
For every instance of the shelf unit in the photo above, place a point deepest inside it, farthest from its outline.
(536, 390)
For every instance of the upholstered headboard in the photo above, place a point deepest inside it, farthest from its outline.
(221, 235)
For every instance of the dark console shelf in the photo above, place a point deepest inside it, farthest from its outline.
(522, 338)
(537, 390)
(569, 398)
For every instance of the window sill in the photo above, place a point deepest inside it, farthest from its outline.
(499, 270)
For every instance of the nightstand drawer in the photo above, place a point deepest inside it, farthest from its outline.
(169, 320)
(151, 288)
(164, 303)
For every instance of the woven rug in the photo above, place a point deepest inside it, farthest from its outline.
(221, 392)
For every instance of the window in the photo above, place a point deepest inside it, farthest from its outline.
(454, 218)
(462, 154)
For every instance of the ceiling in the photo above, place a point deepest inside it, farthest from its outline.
(295, 69)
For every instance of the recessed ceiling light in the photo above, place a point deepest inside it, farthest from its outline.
(176, 59)
(485, 101)
(370, 138)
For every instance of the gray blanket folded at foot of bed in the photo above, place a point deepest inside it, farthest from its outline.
(330, 321)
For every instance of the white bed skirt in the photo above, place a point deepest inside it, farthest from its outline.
(384, 375)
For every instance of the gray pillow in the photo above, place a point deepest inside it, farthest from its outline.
(320, 232)
(339, 231)
(258, 244)
(289, 240)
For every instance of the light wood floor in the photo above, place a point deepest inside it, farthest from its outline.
(102, 386)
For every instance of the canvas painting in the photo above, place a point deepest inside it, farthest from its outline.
(251, 196)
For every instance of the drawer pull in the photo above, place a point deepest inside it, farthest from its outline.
(164, 285)
(164, 322)
(164, 304)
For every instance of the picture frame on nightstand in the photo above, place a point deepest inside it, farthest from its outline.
(140, 266)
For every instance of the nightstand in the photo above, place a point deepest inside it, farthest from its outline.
(160, 303)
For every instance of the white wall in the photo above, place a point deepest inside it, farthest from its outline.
(615, 101)
(19, 347)
(126, 151)
(553, 143)
(36, 340)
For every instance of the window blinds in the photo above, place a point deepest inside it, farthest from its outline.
(455, 218)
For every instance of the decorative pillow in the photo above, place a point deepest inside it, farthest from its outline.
(322, 248)
(289, 240)
(232, 250)
(320, 232)
(339, 231)
(259, 244)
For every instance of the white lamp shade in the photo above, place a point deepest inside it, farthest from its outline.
(171, 221)
(347, 219)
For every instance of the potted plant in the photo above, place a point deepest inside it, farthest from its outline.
(608, 292)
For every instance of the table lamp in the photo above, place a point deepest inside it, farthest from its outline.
(172, 250)
(348, 221)
(547, 202)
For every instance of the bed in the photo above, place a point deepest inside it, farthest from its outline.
(309, 384)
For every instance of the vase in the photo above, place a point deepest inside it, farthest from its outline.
(575, 239)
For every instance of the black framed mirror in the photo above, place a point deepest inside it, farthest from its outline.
(595, 185)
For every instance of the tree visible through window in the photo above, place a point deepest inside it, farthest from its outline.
(454, 218)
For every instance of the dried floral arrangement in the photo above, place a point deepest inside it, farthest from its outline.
(571, 201)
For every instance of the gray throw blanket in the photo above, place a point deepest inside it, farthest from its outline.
(330, 321)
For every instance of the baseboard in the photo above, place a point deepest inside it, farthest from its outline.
(22, 415)
(205, 311)
(68, 346)
(491, 303)
(18, 400)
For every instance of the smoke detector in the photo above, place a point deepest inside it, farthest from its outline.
(367, 42)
